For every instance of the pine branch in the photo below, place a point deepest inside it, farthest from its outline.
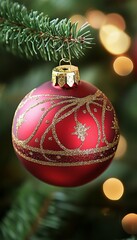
(25, 213)
(33, 35)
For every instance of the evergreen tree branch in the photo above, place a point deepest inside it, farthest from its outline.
(33, 35)
(25, 213)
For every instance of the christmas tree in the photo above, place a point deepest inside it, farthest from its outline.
(34, 37)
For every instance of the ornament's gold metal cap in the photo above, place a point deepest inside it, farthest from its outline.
(65, 75)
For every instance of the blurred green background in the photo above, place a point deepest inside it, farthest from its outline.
(87, 211)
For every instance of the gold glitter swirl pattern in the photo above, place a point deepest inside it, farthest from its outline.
(64, 164)
(66, 106)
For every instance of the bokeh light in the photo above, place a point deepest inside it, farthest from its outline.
(79, 19)
(122, 147)
(123, 66)
(95, 18)
(116, 20)
(114, 40)
(129, 223)
(113, 189)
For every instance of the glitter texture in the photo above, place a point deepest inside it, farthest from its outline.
(65, 129)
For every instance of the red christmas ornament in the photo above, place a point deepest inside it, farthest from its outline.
(65, 132)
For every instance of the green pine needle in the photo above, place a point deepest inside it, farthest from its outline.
(21, 219)
(33, 35)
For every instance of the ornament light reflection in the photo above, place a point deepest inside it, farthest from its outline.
(122, 147)
(129, 223)
(79, 19)
(113, 189)
(114, 40)
(95, 18)
(123, 66)
(116, 20)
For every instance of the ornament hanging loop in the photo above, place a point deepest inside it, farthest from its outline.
(64, 59)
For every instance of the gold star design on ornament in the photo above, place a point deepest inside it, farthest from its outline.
(81, 131)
